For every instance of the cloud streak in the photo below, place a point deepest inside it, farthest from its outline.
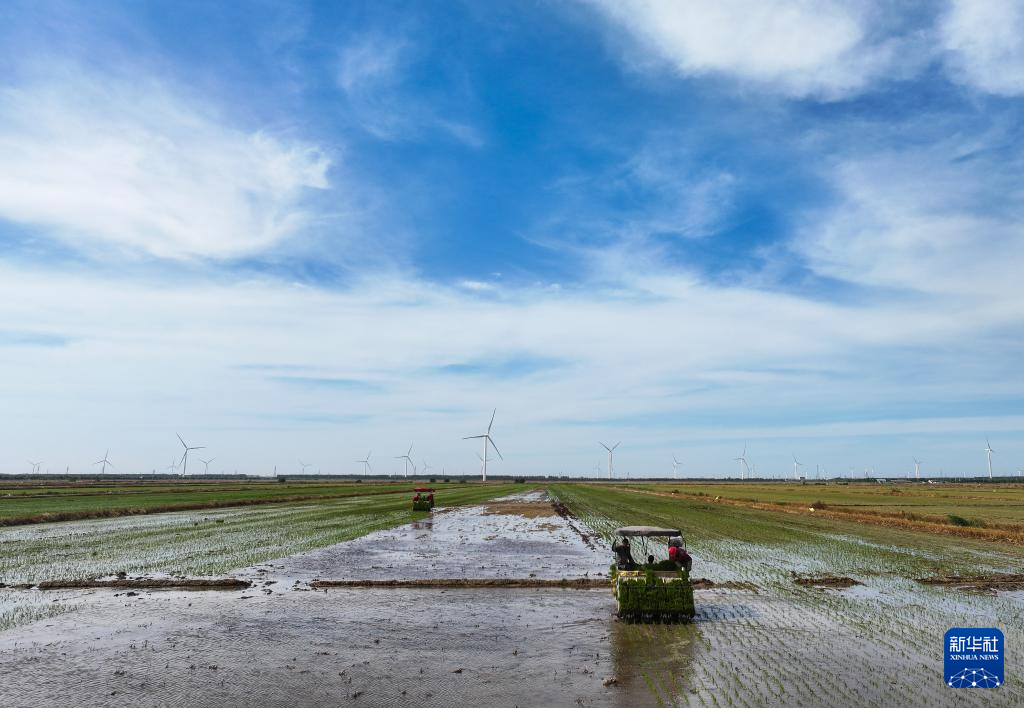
(107, 162)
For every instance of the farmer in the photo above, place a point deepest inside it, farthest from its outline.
(678, 555)
(623, 555)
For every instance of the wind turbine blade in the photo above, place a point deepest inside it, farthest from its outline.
(604, 446)
(494, 413)
(474, 437)
(182, 441)
(495, 447)
(616, 445)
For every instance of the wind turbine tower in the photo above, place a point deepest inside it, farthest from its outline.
(408, 461)
(742, 459)
(486, 437)
(184, 458)
(989, 451)
(611, 455)
(917, 469)
(105, 461)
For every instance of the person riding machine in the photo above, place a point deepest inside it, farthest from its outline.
(655, 591)
(424, 499)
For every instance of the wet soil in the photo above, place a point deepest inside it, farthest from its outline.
(1000, 582)
(148, 583)
(574, 583)
(535, 628)
(827, 581)
(530, 510)
(342, 647)
(463, 542)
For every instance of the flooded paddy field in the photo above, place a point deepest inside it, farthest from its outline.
(761, 636)
(783, 642)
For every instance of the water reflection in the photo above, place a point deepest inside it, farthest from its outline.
(654, 662)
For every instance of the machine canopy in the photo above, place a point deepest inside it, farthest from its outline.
(646, 531)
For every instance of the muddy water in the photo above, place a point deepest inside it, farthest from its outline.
(281, 643)
(489, 541)
(401, 647)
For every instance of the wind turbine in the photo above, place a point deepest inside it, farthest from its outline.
(184, 458)
(35, 466)
(796, 467)
(611, 451)
(104, 462)
(206, 464)
(426, 467)
(917, 468)
(408, 461)
(173, 466)
(367, 469)
(676, 464)
(597, 470)
(304, 466)
(487, 441)
(742, 459)
(989, 451)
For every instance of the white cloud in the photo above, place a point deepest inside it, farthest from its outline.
(374, 72)
(822, 48)
(152, 359)
(941, 220)
(111, 162)
(985, 41)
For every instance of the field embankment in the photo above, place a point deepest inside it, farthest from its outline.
(20, 505)
(983, 512)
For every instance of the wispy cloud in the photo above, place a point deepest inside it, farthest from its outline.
(942, 219)
(32, 339)
(328, 382)
(503, 367)
(107, 161)
(376, 73)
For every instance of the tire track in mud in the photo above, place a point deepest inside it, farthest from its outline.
(566, 513)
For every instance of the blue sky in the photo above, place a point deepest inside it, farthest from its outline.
(315, 229)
